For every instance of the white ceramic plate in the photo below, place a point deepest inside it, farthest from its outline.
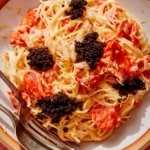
(11, 14)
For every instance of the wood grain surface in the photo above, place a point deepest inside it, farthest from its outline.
(7, 142)
(143, 143)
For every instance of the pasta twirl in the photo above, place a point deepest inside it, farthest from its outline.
(81, 66)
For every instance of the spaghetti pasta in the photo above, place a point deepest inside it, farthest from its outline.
(81, 66)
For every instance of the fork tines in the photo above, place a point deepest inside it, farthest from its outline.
(48, 138)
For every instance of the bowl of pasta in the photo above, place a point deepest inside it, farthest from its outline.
(82, 67)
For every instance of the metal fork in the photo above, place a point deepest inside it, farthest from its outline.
(29, 130)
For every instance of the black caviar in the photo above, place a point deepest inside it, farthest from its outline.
(65, 129)
(77, 8)
(40, 59)
(130, 86)
(89, 50)
(58, 106)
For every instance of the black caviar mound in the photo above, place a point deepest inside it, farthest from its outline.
(130, 86)
(40, 59)
(89, 50)
(77, 8)
(58, 106)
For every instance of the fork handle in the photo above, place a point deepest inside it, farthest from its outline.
(10, 85)
(12, 117)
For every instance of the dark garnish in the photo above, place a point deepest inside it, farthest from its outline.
(65, 129)
(58, 106)
(41, 116)
(89, 50)
(77, 8)
(130, 86)
(40, 59)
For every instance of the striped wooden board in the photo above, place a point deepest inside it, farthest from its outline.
(7, 142)
(143, 143)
